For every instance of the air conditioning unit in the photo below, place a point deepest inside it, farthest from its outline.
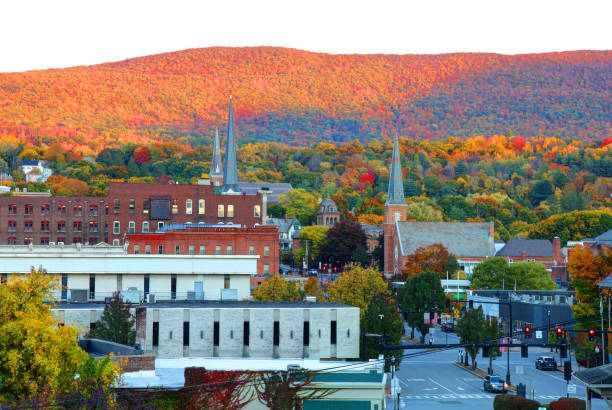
(51, 243)
(151, 298)
(60, 244)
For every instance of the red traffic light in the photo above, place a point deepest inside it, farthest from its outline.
(591, 334)
(527, 331)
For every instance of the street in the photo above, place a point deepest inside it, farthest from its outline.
(431, 381)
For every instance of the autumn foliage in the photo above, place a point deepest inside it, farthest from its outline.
(434, 258)
(216, 389)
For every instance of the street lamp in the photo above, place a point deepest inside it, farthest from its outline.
(548, 334)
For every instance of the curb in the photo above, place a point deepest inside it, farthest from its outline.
(480, 374)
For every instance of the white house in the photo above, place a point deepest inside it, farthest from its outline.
(36, 170)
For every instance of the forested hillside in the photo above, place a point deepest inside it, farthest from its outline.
(301, 97)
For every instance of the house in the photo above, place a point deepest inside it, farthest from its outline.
(373, 234)
(36, 170)
(328, 214)
(601, 242)
(533, 250)
(287, 228)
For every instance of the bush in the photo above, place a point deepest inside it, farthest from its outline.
(571, 403)
(512, 402)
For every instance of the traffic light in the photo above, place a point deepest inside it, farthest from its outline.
(386, 339)
(471, 304)
(567, 370)
(524, 350)
(527, 332)
(559, 333)
(591, 334)
(563, 351)
(485, 351)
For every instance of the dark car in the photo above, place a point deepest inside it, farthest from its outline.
(495, 384)
(546, 363)
(448, 327)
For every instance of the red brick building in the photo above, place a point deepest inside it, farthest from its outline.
(212, 240)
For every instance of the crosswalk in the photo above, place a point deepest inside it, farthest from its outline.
(409, 397)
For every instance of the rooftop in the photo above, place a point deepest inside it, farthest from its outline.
(215, 304)
(531, 247)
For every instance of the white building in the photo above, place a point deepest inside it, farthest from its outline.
(36, 170)
(93, 273)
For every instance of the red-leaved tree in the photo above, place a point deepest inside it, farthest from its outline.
(216, 389)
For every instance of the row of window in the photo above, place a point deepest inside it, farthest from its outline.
(45, 210)
(44, 240)
(28, 226)
(188, 208)
(246, 333)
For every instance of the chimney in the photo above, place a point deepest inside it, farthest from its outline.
(491, 229)
(556, 251)
(523, 255)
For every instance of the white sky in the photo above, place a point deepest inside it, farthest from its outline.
(37, 34)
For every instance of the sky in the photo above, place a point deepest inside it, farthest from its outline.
(39, 34)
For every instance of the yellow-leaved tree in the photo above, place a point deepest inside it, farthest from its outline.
(356, 286)
(312, 288)
(276, 289)
(39, 358)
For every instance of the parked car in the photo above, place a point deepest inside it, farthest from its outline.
(495, 384)
(312, 272)
(546, 362)
(448, 327)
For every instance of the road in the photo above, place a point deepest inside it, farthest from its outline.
(431, 381)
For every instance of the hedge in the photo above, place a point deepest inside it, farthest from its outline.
(512, 402)
(571, 403)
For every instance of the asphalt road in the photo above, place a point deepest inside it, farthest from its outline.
(431, 381)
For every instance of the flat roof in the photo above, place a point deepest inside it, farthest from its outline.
(215, 304)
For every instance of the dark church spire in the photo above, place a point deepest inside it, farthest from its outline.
(396, 185)
(230, 172)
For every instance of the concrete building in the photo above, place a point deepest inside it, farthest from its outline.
(205, 239)
(93, 273)
(236, 329)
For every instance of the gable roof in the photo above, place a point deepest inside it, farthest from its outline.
(462, 239)
(531, 247)
(283, 225)
(604, 238)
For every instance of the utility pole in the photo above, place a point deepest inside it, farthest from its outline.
(604, 351)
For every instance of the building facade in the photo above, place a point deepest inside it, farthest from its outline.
(328, 214)
(202, 239)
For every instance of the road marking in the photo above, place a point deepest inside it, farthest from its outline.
(460, 388)
(445, 388)
(415, 380)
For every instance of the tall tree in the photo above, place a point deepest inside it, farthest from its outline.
(472, 328)
(300, 203)
(422, 294)
(381, 317)
(434, 258)
(342, 240)
(356, 286)
(312, 288)
(315, 236)
(276, 289)
(495, 273)
(117, 323)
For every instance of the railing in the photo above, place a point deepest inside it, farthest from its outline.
(155, 297)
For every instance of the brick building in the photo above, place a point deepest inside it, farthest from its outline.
(212, 240)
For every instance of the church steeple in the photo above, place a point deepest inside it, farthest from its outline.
(395, 195)
(230, 172)
(216, 166)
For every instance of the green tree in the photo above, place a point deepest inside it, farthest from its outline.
(472, 328)
(343, 239)
(132, 168)
(540, 191)
(111, 157)
(356, 286)
(381, 317)
(117, 323)
(276, 289)
(422, 294)
(495, 273)
(460, 169)
(300, 203)
(316, 236)
(573, 226)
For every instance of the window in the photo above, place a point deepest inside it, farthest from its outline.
(147, 249)
(136, 249)
(185, 333)
(160, 225)
(28, 209)
(217, 250)
(257, 211)
(61, 226)
(155, 333)
(332, 333)
(12, 240)
(175, 206)
(61, 210)
(276, 333)
(266, 269)
(106, 210)
(44, 226)
(64, 295)
(115, 241)
(78, 210)
(266, 251)
(28, 226)
(226, 281)
(145, 206)
(306, 336)
(245, 333)
(145, 226)
(202, 250)
(147, 280)
(251, 250)
(173, 287)
(44, 210)
(160, 249)
(131, 227)
(44, 240)
(12, 226)
(201, 207)
(116, 206)
(93, 226)
(132, 206)
(229, 250)
(230, 211)
(27, 241)
(12, 209)
(216, 334)
(3, 278)
(76, 239)
(220, 211)
(189, 207)
(177, 249)
(61, 239)
(191, 250)
(116, 228)
(93, 210)
(92, 286)
(77, 226)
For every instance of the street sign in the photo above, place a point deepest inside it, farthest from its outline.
(520, 369)
(571, 389)
(538, 334)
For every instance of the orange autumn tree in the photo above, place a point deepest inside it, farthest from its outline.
(434, 258)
